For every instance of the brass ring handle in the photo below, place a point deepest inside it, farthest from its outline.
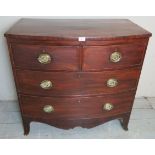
(115, 57)
(112, 82)
(48, 109)
(108, 106)
(44, 58)
(46, 84)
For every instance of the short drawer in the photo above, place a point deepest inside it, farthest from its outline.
(76, 83)
(84, 107)
(41, 57)
(112, 57)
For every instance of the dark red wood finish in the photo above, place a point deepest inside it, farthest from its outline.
(97, 58)
(62, 58)
(76, 84)
(71, 29)
(76, 107)
(79, 70)
(82, 122)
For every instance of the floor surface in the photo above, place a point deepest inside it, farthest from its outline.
(141, 125)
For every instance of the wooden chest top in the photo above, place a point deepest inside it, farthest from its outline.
(72, 29)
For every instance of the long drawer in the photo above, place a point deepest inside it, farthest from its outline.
(84, 107)
(76, 83)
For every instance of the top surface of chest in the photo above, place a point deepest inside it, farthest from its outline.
(72, 29)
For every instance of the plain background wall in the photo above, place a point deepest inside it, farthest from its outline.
(146, 85)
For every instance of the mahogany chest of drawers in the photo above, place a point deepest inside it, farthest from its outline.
(76, 72)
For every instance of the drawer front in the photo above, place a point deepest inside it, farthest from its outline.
(79, 83)
(46, 57)
(112, 57)
(84, 107)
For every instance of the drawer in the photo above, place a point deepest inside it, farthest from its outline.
(41, 57)
(84, 107)
(112, 57)
(76, 83)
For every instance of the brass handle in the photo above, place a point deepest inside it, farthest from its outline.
(48, 109)
(115, 57)
(108, 106)
(46, 84)
(44, 58)
(112, 83)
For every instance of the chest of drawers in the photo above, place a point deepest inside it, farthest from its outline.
(76, 72)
